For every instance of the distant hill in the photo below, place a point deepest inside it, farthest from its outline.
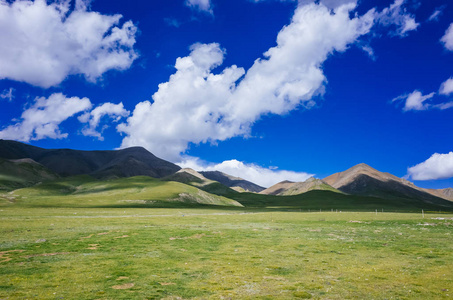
(101, 164)
(278, 188)
(287, 188)
(236, 183)
(366, 181)
(22, 172)
(138, 191)
(194, 178)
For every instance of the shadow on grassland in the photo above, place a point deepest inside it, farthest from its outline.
(328, 200)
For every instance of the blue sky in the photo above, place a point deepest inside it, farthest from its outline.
(266, 90)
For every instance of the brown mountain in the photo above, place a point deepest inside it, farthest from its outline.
(192, 177)
(102, 164)
(236, 183)
(364, 180)
(278, 188)
(442, 193)
(288, 188)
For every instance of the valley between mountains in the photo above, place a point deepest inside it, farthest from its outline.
(133, 177)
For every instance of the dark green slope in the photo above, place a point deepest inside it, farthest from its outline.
(21, 173)
(328, 200)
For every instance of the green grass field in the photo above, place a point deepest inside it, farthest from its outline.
(152, 253)
(142, 238)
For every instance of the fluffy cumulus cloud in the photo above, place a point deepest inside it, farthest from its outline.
(42, 43)
(7, 94)
(447, 39)
(446, 87)
(262, 176)
(93, 118)
(397, 17)
(438, 166)
(42, 119)
(201, 5)
(199, 105)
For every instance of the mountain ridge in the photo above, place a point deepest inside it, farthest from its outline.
(288, 188)
(233, 182)
(364, 180)
(134, 161)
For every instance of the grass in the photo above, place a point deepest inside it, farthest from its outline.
(142, 238)
(129, 253)
(139, 191)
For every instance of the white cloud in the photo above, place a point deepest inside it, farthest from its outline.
(265, 177)
(445, 105)
(43, 118)
(415, 101)
(447, 39)
(42, 44)
(436, 14)
(187, 108)
(7, 94)
(201, 5)
(197, 105)
(438, 166)
(93, 118)
(446, 88)
(398, 17)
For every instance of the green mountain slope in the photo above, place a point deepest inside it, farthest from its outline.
(139, 191)
(20, 173)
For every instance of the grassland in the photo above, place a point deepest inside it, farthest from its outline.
(131, 253)
(142, 238)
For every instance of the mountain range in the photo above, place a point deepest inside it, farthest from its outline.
(23, 165)
(128, 162)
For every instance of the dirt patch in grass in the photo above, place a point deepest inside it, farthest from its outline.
(195, 236)
(47, 254)
(122, 237)
(86, 237)
(122, 278)
(93, 246)
(123, 286)
(4, 255)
